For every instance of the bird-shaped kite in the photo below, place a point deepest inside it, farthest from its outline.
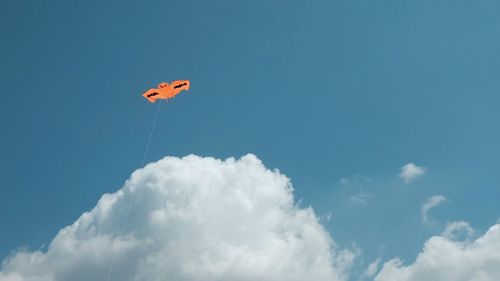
(166, 91)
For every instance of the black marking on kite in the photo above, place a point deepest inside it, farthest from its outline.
(153, 94)
(180, 85)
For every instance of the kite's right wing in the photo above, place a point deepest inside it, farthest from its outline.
(180, 85)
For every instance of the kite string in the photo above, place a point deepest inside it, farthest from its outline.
(131, 201)
(151, 134)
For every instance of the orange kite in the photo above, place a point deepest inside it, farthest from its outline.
(166, 91)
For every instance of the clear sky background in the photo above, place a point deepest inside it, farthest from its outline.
(337, 95)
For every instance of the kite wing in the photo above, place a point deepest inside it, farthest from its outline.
(152, 95)
(180, 85)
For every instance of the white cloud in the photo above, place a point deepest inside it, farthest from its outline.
(410, 171)
(458, 230)
(360, 198)
(344, 180)
(10, 277)
(192, 219)
(326, 217)
(371, 270)
(431, 202)
(445, 259)
(357, 182)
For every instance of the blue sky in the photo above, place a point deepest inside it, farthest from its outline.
(321, 90)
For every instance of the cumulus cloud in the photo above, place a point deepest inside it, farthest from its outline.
(445, 259)
(431, 202)
(410, 171)
(192, 218)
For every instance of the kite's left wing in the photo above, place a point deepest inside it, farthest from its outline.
(152, 94)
